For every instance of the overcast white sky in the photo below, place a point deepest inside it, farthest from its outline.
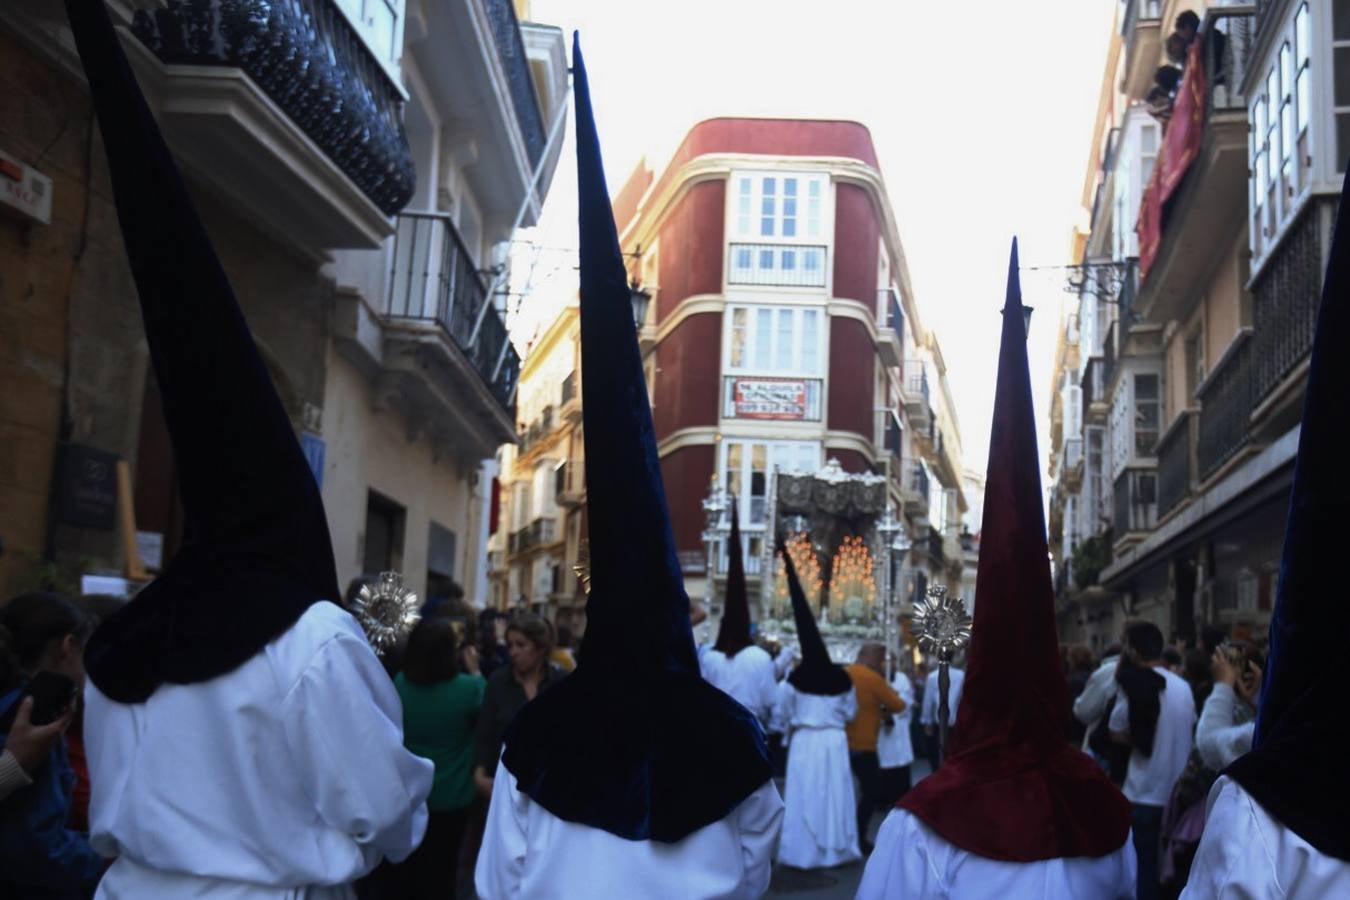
(981, 113)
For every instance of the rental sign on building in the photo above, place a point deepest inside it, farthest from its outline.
(779, 399)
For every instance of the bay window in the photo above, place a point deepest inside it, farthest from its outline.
(777, 225)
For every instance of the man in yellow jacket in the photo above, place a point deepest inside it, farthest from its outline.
(875, 696)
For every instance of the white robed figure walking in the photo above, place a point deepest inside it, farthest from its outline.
(734, 664)
(820, 825)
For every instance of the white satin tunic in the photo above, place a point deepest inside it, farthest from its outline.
(286, 778)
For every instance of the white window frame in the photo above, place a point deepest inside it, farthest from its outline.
(773, 256)
(794, 355)
(361, 15)
(800, 454)
(1285, 118)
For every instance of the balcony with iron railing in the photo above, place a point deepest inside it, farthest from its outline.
(1141, 29)
(1136, 504)
(1095, 399)
(776, 265)
(569, 398)
(504, 84)
(918, 403)
(1285, 297)
(1071, 462)
(285, 111)
(539, 533)
(891, 329)
(569, 483)
(1213, 166)
(935, 547)
(914, 488)
(537, 432)
(1176, 463)
(431, 340)
(1225, 407)
(893, 440)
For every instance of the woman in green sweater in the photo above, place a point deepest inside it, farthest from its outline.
(442, 691)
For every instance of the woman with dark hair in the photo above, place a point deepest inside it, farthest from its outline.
(440, 707)
(39, 856)
(529, 644)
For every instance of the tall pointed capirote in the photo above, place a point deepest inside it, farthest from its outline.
(623, 743)
(733, 634)
(1296, 768)
(816, 673)
(256, 549)
(1037, 797)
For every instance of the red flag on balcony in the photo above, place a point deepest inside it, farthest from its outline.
(1180, 146)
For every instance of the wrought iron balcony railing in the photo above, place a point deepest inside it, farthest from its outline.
(536, 534)
(519, 82)
(916, 479)
(1284, 304)
(893, 437)
(1174, 464)
(433, 278)
(1093, 384)
(1229, 38)
(570, 390)
(895, 316)
(1225, 407)
(305, 56)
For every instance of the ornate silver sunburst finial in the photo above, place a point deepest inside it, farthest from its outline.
(386, 610)
(942, 624)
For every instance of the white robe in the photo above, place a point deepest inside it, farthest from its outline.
(895, 747)
(286, 778)
(748, 677)
(912, 860)
(529, 852)
(931, 695)
(1246, 854)
(820, 822)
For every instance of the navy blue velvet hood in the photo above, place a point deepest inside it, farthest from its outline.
(634, 742)
(733, 634)
(816, 673)
(256, 551)
(1296, 768)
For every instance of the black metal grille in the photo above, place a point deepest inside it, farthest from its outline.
(1225, 406)
(433, 278)
(511, 51)
(307, 58)
(1174, 465)
(1284, 303)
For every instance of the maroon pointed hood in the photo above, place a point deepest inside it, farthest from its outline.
(1012, 787)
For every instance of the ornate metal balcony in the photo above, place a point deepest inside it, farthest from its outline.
(1284, 304)
(1225, 407)
(305, 56)
(1175, 463)
(511, 50)
(433, 278)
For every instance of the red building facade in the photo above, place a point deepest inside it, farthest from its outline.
(782, 331)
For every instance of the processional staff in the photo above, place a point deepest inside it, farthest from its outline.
(944, 629)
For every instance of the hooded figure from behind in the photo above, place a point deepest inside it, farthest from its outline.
(1290, 794)
(735, 664)
(633, 774)
(815, 703)
(237, 661)
(1015, 810)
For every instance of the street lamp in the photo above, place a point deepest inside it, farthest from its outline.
(893, 539)
(714, 506)
(640, 297)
